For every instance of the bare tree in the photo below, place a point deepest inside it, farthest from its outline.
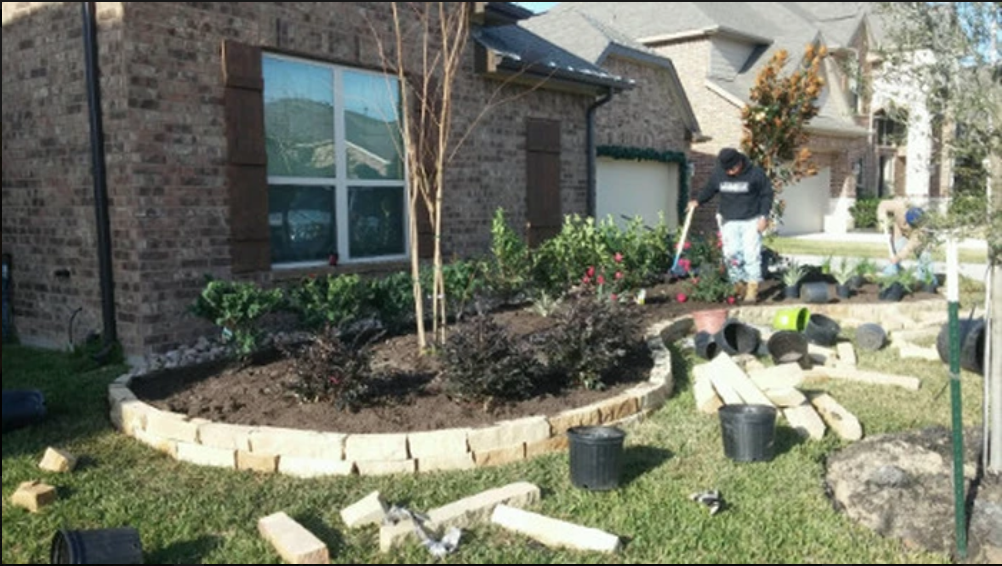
(429, 45)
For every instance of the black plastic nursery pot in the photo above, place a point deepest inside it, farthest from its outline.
(871, 337)
(972, 335)
(749, 432)
(22, 408)
(101, 546)
(737, 338)
(788, 347)
(815, 292)
(822, 330)
(706, 345)
(596, 457)
(892, 293)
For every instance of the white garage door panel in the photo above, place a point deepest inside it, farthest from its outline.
(806, 205)
(637, 188)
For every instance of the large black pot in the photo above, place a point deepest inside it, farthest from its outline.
(822, 330)
(972, 345)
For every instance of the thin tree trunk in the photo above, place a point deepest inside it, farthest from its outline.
(993, 377)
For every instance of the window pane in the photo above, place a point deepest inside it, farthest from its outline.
(372, 127)
(376, 221)
(302, 223)
(299, 119)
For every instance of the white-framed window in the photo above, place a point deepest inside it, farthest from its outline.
(336, 180)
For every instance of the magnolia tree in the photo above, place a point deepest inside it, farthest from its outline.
(775, 121)
(951, 51)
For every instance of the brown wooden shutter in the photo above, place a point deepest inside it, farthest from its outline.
(247, 171)
(543, 180)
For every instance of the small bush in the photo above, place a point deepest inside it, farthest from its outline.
(327, 301)
(509, 269)
(330, 371)
(237, 308)
(864, 212)
(592, 337)
(391, 300)
(483, 364)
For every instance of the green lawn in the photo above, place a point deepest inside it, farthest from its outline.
(777, 512)
(796, 246)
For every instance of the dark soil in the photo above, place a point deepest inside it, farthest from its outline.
(409, 395)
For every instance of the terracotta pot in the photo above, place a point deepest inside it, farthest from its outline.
(710, 320)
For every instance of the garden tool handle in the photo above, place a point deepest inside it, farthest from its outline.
(685, 232)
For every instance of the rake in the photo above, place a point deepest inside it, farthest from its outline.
(675, 271)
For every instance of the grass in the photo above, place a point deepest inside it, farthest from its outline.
(797, 246)
(777, 512)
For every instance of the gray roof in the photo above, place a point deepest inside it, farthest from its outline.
(521, 50)
(766, 26)
(593, 40)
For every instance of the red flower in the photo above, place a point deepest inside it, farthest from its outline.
(687, 246)
(720, 243)
(619, 258)
(601, 280)
(731, 300)
(591, 272)
(681, 297)
(586, 280)
(619, 275)
(685, 264)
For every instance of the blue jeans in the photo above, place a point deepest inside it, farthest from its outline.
(742, 250)
(923, 267)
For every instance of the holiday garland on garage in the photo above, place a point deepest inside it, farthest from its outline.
(648, 154)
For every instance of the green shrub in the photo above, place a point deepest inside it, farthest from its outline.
(330, 371)
(559, 262)
(592, 337)
(335, 301)
(237, 308)
(864, 212)
(391, 300)
(509, 269)
(483, 364)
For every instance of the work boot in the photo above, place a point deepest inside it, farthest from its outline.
(739, 289)
(751, 294)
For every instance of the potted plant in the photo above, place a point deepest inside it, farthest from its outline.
(711, 286)
(844, 273)
(894, 287)
(866, 271)
(791, 280)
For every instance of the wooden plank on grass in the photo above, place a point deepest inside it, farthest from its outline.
(805, 420)
(844, 423)
(726, 394)
(707, 400)
(727, 374)
(782, 376)
(869, 377)
(786, 397)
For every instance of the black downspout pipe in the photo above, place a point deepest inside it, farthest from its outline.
(592, 180)
(110, 334)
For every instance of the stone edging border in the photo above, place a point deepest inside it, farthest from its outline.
(310, 454)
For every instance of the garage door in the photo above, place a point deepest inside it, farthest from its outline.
(806, 205)
(626, 189)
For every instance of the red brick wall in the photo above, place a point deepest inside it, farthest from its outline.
(162, 90)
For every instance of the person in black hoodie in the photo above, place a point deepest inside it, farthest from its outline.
(745, 205)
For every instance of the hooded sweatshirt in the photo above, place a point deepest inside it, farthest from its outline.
(745, 196)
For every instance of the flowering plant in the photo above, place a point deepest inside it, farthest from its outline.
(607, 283)
(710, 286)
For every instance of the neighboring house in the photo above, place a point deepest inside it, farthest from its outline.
(643, 134)
(257, 140)
(719, 49)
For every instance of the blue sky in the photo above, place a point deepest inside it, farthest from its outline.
(537, 7)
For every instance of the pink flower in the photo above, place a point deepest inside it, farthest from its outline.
(681, 297)
(720, 243)
(685, 264)
(687, 246)
(586, 280)
(731, 300)
(601, 280)
(613, 297)
(591, 272)
(619, 258)
(619, 275)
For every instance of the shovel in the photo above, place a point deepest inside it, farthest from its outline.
(675, 271)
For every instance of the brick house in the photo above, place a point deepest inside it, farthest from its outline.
(251, 140)
(719, 48)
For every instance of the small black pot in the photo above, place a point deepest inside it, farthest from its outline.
(791, 292)
(856, 282)
(843, 291)
(892, 293)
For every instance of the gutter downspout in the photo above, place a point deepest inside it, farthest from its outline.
(590, 142)
(110, 333)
